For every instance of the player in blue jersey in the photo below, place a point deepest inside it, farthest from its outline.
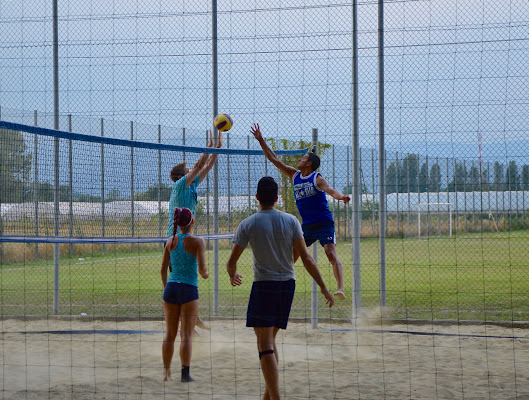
(309, 190)
(187, 254)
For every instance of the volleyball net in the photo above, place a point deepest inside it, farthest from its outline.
(102, 204)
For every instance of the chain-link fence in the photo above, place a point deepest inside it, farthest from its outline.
(455, 145)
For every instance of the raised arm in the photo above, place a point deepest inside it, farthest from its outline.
(212, 159)
(231, 265)
(312, 269)
(199, 165)
(269, 153)
(323, 185)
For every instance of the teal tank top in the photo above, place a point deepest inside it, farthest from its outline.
(184, 265)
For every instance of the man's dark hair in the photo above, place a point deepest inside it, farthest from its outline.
(267, 191)
(314, 160)
(178, 171)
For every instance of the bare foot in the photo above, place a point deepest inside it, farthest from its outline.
(201, 324)
(167, 375)
(340, 294)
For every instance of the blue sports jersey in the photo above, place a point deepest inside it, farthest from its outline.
(310, 199)
(184, 264)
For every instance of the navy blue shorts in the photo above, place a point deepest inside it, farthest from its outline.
(179, 293)
(270, 303)
(322, 231)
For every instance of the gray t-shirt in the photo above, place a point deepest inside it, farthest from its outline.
(271, 234)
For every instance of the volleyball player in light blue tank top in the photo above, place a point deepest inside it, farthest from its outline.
(184, 191)
(309, 190)
(186, 265)
(187, 254)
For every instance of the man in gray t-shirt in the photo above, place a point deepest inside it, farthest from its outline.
(272, 235)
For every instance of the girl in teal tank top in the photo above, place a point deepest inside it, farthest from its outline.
(184, 264)
(187, 254)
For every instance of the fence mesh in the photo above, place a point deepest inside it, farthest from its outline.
(455, 89)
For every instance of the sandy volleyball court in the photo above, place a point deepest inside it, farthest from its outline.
(57, 359)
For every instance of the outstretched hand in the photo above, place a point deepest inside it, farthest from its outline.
(256, 131)
(346, 199)
(219, 140)
(211, 141)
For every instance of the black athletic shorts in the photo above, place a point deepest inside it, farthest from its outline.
(270, 303)
(179, 293)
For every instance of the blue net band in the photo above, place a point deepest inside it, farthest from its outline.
(132, 143)
(95, 239)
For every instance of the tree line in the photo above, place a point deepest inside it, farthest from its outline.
(403, 176)
(406, 176)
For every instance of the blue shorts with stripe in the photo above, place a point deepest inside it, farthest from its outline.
(322, 231)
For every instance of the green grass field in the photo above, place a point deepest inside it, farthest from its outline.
(471, 277)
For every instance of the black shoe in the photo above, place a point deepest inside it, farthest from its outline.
(187, 378)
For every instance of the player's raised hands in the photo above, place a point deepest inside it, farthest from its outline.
(219, 140)
(256, 131)
(211, 141)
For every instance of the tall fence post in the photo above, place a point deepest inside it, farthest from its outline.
(473, 183)
(208, 245)
(346, 208)
(132, 184)
(481, 179)
(382, 152)
(184, 143)
(448, 194)
(70, 181)
(427, 163)
(249, 176)
(465, 194)
(314, 291)
(159, 186)
(438, 189)
(488, 195)
(456, 188)
(103, 221)
(373, 215)
(36, 182)
(357, 185)
(56, 155)
(397, 183)
(215, 98)
(336, 215)
(229, 181)
(409, 191)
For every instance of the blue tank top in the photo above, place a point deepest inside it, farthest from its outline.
(184, 264)
(310, 199)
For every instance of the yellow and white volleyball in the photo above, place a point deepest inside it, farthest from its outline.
(223, 122)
